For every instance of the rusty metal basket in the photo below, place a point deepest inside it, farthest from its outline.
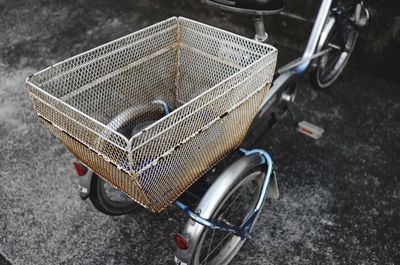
(212, 80)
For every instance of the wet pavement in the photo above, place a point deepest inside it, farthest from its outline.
(340, 195)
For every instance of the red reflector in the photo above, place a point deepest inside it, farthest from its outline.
(181, 242)
(80, 169)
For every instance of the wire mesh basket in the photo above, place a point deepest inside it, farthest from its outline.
(211, 80)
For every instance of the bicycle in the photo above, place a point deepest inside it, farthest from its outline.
(228, 205)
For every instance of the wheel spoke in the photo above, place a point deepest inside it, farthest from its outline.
(208, 253)
(236, 197)
(334, 46)
(226, 222)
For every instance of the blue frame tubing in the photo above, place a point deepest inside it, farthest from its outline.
(244, 230)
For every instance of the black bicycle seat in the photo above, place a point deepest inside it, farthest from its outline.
(248, 7)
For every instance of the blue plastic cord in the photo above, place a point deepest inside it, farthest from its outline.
(164, 105)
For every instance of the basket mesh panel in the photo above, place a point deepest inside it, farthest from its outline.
(100, 166)
(213, 80)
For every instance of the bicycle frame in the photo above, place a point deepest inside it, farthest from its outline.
(315, 36)
(322, 26)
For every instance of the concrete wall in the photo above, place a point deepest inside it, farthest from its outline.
(379, 46)
(377, 52)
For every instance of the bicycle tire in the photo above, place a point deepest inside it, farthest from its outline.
(103, 203)
(245, 169)
(323, 76)
(103, 195)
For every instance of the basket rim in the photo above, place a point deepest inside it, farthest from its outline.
(269, 54)
(28, 79)
(128, 141)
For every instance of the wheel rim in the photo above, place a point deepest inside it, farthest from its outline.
(114, 197)
(111, 195)
(341, 40)
(332, 63)
(218, 247)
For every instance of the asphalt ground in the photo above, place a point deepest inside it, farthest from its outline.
(340, 195)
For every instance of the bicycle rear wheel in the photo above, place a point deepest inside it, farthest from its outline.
(218, 247)
(109, 200)
(228, 201)
(106, 198)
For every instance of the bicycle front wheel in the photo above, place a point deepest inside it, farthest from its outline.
(341, 41)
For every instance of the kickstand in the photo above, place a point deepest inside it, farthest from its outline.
(291, 109)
